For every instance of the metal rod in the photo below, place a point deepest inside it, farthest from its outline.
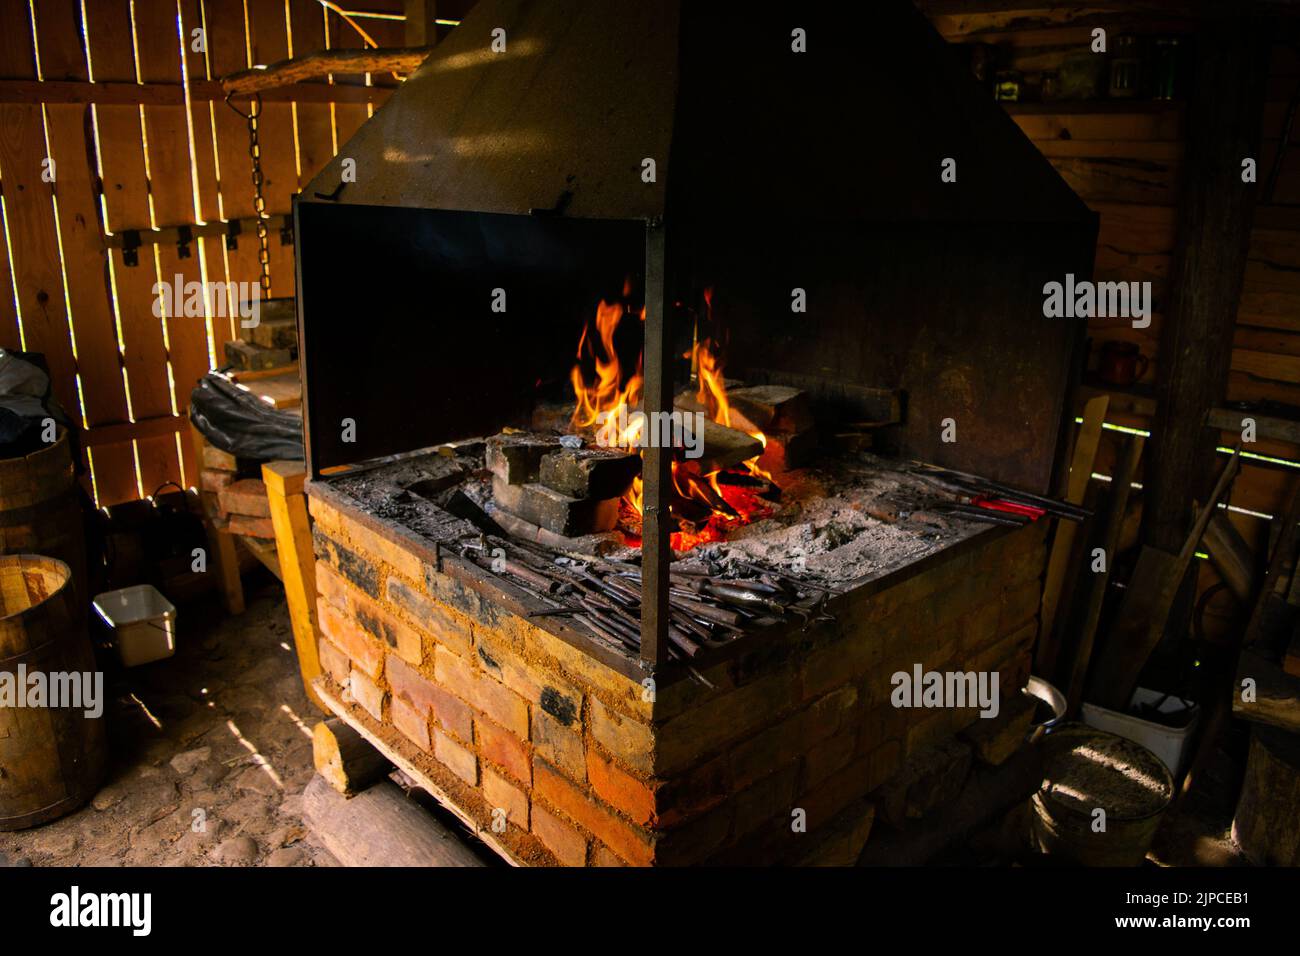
(657, 462)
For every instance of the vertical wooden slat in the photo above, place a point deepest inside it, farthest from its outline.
(348, 117)
(315, 138)
(171, 182)
(126, 200)
(99, 361)
(29, 208)
(9, 337)
(227, 53)
(270, 42)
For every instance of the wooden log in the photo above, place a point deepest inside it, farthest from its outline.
(381, 827)
(322, 63)
(779, 408)
(724, 448)
(345, 759)
(1266, 825)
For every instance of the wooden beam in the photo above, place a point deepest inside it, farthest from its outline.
(284, 489)
(313, 66)
(381, 827)
(345, 759)
(173, 94)
(1266, 426)
(1216, 211)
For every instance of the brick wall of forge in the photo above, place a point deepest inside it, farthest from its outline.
(502, 714)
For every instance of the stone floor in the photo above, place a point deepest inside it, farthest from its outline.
(211, 750)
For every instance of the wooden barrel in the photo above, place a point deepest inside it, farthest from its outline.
(52, 759)
(40, 511)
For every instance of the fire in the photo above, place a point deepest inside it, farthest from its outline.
(607, 401)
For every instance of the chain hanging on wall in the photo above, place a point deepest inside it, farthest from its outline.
(252, 117)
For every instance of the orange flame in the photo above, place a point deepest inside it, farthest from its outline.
(605, 405)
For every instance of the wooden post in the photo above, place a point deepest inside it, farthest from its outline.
(284, 489)
(1216, 213)
(421, 23)
(223, 559)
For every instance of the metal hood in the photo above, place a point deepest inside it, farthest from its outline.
(737, 123)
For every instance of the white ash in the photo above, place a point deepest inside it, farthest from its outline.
(825, 526)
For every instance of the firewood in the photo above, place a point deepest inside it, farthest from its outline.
(786, 452)
(589, 472)
(345, 759)
(244, 497)
(778, 408)
(725, 447)
(547, 508)
(517, 459)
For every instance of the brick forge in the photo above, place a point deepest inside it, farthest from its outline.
(498, 714)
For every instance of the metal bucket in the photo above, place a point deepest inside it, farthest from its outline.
(1101, 800)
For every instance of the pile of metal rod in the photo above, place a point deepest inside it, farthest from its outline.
(705, 611)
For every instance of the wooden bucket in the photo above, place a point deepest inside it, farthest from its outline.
(40, 511)
(52, 759)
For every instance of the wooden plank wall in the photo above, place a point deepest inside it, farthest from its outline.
(1124, 159)
(121, 372)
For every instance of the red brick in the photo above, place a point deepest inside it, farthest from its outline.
(567, 844)
(559, 746)
(504, 795)
(245, 497)
(387, 629)
(602, 855)
(363, 649)
(379, 546)
(251, 527)
(213, 481)
(628, 738)
(1019, 605)
(331, 586)
(410, 684)
(619, 835)
(456, 758)
(500, 747)
(333, 661)
(620, 789)
(366, 693)
(447, 626)
(485, 693)
(411, 722)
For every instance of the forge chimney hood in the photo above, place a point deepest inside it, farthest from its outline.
(737, 124)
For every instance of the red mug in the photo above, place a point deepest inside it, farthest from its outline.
(1121, 363)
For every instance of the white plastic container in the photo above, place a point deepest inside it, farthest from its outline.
(143, 623)
(1167, 743)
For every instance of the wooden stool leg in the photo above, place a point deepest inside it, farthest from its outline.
(285, 490)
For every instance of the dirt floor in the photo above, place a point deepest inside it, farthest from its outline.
(211, 750)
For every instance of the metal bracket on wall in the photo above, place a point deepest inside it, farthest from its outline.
(130, 240)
